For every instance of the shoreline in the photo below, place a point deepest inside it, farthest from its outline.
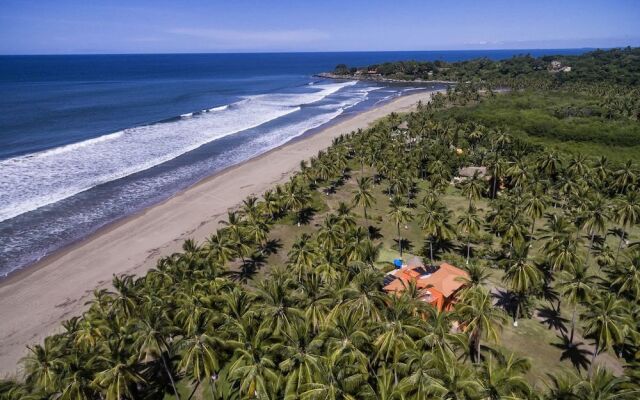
(35, 299)
(380, 79)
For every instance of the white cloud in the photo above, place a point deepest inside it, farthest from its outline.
(229, 38)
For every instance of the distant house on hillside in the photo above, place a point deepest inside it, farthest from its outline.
(556, 66)
(403, 126)
(439, 283)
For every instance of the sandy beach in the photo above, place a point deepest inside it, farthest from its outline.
(34, 301)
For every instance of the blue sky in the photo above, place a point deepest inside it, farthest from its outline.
(159, 26)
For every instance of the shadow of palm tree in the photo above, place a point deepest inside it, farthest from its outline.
(306, 215)
(439, 247)
(578, 356)
(506, 300)
(374, 232)
(551, 317)
(271, 247)
(338, 182)
(248, 269)
(406, 245)
(331, 189)
(442, 246)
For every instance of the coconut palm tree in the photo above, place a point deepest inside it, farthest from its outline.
(550, 163)
(200, 358)
(362, 196)
(300, 359)
(595, 218)
(576, 285)
(602, 384)
(479, 317)
(399, 215)
(43, 365)
(470, 223)
(522, 276)
(627, 212)
(302, 254)
(338, 381)
(152, 344)
(254, 370)
(503, 377)
(421, 381)
(563, 253)
(534, 206)
(434, 221)
(625, 177)
(606, 321)
(626, 277)
(296, 198)
(278, 308)
(473, 187)
(221, 247)
(118, 376)
(565, 386)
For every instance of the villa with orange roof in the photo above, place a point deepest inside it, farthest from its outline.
(439, 283)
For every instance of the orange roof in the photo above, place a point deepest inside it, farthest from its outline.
(446, 280)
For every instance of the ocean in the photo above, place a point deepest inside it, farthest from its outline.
(86, 140)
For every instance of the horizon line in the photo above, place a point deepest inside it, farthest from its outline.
(303, 52)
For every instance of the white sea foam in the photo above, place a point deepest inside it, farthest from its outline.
(221, 108)
(32, 181)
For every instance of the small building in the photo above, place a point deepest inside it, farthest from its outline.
(556, 66)
(403, 126)
(439, 283)
(469, 172)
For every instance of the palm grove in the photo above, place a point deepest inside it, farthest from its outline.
(544, 227)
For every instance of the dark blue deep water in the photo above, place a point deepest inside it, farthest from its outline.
(88, 139)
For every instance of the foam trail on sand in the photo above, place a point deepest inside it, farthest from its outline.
(35, 180)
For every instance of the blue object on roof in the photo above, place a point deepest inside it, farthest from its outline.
(397, 262)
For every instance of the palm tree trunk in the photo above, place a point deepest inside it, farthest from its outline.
(517, 313)
(431, 249)
(213, 390)
(194, 390)
(173, 384)
(619, 246)
(533, 228)
(468, 247)
(590, 250)
(399, 240)
(573, 323)
(495, 183)
(593, 357)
